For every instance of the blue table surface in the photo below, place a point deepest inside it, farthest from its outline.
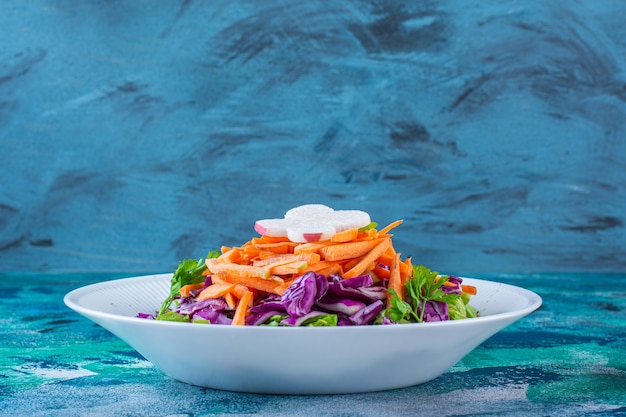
(567, 358)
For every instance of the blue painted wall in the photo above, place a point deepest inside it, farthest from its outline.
(133, 134)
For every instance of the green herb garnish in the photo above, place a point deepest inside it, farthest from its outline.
(189, 271)
(422, 287)
(370, 226)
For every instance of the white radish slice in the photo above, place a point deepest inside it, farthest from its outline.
(272, 227)
(309, 211)
(311, 232)
(349, 219)
(312, 223)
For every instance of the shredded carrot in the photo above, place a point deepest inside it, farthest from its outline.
(239, 291)
(322, 265)
(330, 270)
(237, 269)
(351, 263)
(185, 290)
(230, 300)
(406, 270)
(239, 319)
(313, 247)
(367, 234)
(395, 281)
(386, 229)
(281, 288)
(382, 272)
(348, 250)
(214, 291)
(261, 284)
(469, 289)
(368, 259)
(277, 260)
(345, 236)
(241, 275)
(297, 267)
(217, 279)
(231, 255)
(268, 239)
(279, 247)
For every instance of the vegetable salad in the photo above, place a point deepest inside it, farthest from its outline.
(350, 275)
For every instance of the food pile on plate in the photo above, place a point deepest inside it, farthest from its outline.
(314, 267)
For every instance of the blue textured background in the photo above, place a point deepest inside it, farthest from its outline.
(133, 134)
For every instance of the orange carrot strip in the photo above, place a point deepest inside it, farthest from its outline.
(367, 234)
(279, 247)
(261, 284)
(281, 288)
(345, 236)
(250, 250)
(310, 258)
(368, 259)
(351, 263)
(348, 250)
(214, 291)
(331, 269)
(318, 266)
(230, 299)
(185, 290)
(386, 229)
(382, 272)
(406, 270)
(231, 255)
(243, 270)
(239, 290)
(268, 239)
(286, 258)
(388, 257)
(239, 319)
(296, 267)
(275, 260)
(311, 247)
(217, 279)
(395, 281)
(469, 289)
(264, 254)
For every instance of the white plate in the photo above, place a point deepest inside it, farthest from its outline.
(295, 360)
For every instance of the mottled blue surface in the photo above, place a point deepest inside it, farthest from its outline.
(565, 359)
(133, 134)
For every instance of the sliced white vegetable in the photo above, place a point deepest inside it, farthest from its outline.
(312, 223)
(309, 211)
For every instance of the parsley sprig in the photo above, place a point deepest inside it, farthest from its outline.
(189, 271)
(424, 286)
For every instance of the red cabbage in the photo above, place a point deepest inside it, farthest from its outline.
(302, 294)
(436, 311)
(215, 317)
(344, 306)
(255, 319)
(188, 306)
(367, 314)
(356, 282)
(453, 289)
(349, 289)
(297, 321)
